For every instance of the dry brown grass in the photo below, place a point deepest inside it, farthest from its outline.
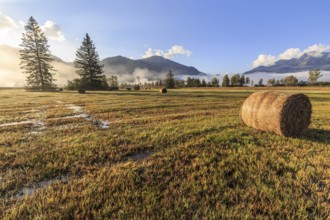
(204, 163)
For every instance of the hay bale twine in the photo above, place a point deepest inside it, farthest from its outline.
(81, 91)
(163, 90)
(279, 112)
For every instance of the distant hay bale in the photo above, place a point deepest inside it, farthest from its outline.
(113, 88)
(279, 112)
(163, 90)
(60, 90)
(81, 91)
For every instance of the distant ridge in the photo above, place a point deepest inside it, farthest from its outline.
(120, 65)
(305, 62)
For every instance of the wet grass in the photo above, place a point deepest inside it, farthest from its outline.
(178, 155)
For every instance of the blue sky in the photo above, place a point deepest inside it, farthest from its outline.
(214, 36)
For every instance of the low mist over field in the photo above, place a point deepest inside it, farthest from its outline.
(127, 70)
(278, 76)
(11, 75)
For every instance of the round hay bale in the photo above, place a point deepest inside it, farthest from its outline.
(163, 90)
(279, 112)
(81, 91)
(60, 90)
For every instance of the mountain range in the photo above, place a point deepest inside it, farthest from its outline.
(120, 65)
(305, 62)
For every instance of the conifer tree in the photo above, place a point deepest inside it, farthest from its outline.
(225, 81)
(235, 80)
(169, 83)
(36, 57)
(247, 81)
(189, 82)
(242, 80)
(88, 65)
(203, 83)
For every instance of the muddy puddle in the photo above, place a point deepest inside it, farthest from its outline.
(81, 114)
(29, 191)
(17, 123)
(75, 108)
(139, 157)
(38, 125)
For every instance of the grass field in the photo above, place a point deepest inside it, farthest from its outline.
(179, 155)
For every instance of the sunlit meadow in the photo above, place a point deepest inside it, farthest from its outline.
(143, 154)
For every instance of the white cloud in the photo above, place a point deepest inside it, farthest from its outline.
(264, 60)
(7, 22)
(177, 49)
(268, 60)
(53, 31)
(290, 53)
(11, 74)
(174, 50)
(10, 30)
(148, 53)
(317, 49)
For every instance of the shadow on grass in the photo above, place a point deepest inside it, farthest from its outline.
(316, 135)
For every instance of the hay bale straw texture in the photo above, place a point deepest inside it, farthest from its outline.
(283, 113)
(163, 90)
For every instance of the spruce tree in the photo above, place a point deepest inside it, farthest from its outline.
(242, 80)
(225, 81)
(203, 83)
(189, 82)
(247, 81)
(169, 83)
(88, 67)
(235, 80)
(36, 57)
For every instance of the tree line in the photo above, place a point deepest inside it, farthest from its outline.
(240, 80)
